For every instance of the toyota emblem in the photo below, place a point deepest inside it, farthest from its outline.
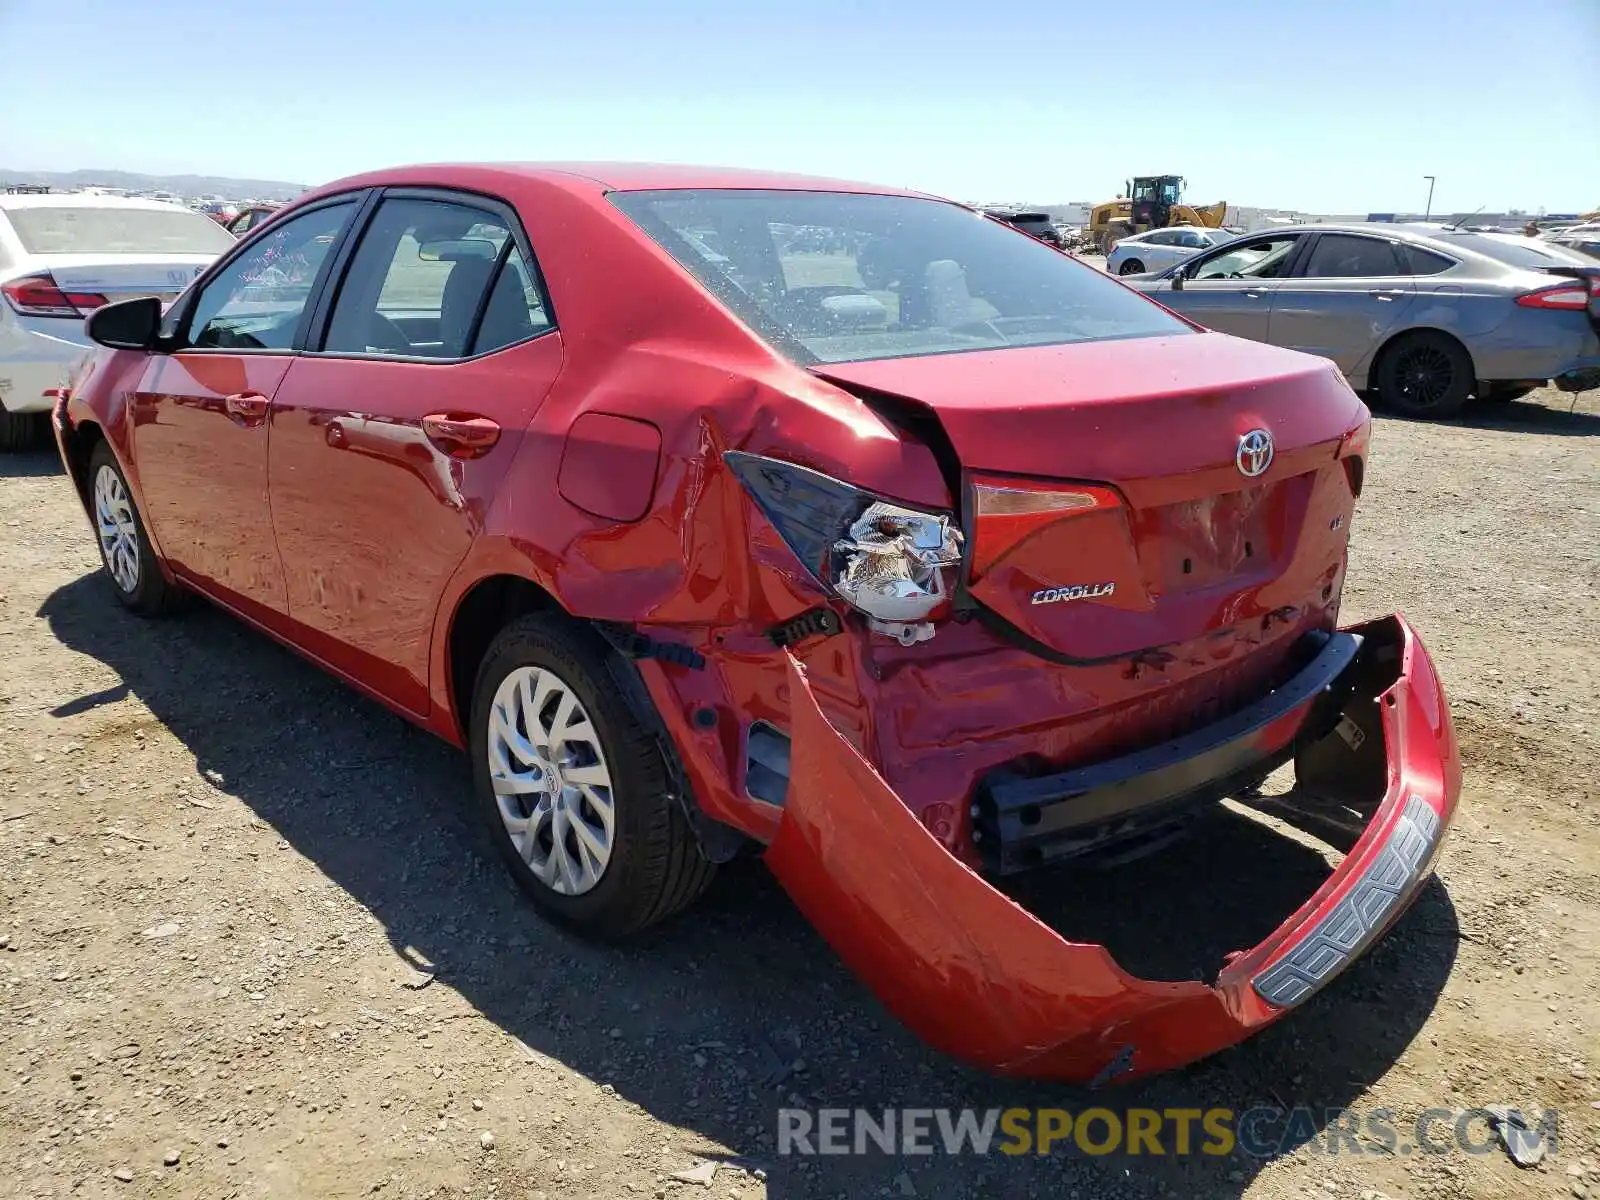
(1254, 454)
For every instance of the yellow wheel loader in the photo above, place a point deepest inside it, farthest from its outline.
(1151, 202)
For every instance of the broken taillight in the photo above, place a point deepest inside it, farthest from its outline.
(892, 563)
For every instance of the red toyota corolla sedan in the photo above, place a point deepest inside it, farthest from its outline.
(711, 509)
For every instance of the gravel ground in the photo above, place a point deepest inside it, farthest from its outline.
(254, 945)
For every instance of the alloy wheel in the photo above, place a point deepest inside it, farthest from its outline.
(119, 535)
(551, 781)
(1425, 375)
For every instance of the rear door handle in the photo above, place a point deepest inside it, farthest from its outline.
(247, 408)
(1384, 293)
(459, 435)
(1253, 293)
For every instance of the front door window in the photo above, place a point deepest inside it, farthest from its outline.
(1265, 258)
(257, 300)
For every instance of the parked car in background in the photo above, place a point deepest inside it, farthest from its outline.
(1158, 249)
(1582, 239)
(855, 546)
(62, 255)
(1424, 318)
(219, 211)
(250, 216)
(1034, 224)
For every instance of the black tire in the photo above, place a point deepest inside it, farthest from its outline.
(1131, 266)
(23, 431)
(151, 594)
(1425, 374)
(656, 867)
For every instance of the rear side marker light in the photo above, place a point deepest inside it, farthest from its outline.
(38, 296)
(1563, 295)
(1352, 454)
(1355, 471)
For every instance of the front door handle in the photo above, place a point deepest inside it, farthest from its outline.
(1253, 293)
(247, 408)
(460, 435)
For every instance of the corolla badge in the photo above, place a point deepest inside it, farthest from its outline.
(1076, 591)
(1254, 454)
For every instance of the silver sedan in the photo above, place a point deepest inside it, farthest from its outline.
(1158, 249)
(1425, 317)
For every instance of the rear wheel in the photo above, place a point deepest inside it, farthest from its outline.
(125, 549)
(1425, 374)
(1131, 266)
(572, 786)
(23, 431)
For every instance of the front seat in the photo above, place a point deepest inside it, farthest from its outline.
(950, 303)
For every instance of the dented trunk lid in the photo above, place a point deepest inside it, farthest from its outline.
(1160, 535)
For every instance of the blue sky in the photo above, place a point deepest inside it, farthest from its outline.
(1332, 106)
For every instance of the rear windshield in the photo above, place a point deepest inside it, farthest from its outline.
(86, 229)
(840, 277)
(1520, 251)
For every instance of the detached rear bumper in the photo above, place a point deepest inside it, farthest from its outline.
(982, 979)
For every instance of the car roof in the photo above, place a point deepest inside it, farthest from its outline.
(84, 200)
(604, 176)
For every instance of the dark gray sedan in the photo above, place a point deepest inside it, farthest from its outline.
(1423, 316)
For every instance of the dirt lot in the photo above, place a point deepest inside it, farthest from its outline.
(218, 869)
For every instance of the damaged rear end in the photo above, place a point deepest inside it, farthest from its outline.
(1037, 575)
(1127, 616)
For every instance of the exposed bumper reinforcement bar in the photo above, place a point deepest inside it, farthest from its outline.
(982, 979)
(1025, 822)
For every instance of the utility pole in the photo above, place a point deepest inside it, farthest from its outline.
(1429, 212)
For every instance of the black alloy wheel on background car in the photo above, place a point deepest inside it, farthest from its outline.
(1425, 374)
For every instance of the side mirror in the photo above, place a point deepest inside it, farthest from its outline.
(1179, 274)
(129, 325)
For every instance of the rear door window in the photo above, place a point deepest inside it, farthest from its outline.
(1424, 262)
(1345, 256)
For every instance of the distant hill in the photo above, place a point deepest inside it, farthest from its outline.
(183, 185)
